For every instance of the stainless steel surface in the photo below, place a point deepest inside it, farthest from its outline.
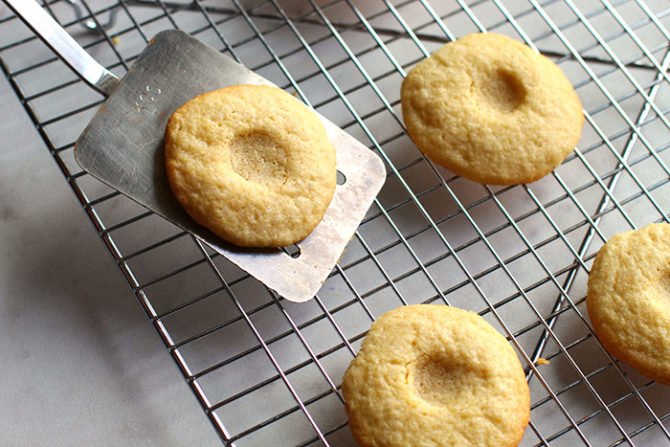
(64, 45)
(267, 371)
(123, 147)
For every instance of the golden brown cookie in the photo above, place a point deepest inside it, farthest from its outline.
(629, 299)
(492, 110)
(430, 375)
(252, 164)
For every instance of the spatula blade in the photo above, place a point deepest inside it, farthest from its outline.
(123, 147)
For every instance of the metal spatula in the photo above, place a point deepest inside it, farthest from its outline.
(123, 147)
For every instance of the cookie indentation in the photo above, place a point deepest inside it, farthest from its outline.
(503, 90)
(258, 158)
(436, 380)
(665, 285)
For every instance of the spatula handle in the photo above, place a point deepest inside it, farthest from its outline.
(64, 45)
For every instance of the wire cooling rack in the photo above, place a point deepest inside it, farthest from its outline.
(268, 372)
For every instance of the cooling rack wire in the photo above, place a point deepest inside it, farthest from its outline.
(267, 371)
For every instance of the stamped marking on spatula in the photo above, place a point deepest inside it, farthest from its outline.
(147, 100)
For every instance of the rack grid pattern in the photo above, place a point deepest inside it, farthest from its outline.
(267, 371)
